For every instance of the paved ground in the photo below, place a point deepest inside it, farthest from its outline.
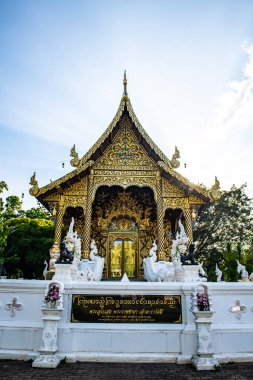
(118, 371)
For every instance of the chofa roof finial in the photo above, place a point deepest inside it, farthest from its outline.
(125, 94)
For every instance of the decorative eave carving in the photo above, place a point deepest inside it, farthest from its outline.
(174, 161)
(171, 191)
(53, 198)
(59, 189)
(195, 201)
(75, 160)
(34, 190)
(189, 186)
(55, 184)
(215, 191)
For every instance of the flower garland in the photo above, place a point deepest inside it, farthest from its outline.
(202, 302)
(53, 294)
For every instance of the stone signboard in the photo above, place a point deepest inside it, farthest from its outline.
(126, 308)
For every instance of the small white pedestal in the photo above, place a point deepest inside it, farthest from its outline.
(203, 359)
(48, 358)
(191, 273)
(63, 272)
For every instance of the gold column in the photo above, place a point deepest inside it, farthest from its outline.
(188, 222)
(160, 227)
(88, 214)
(55, 250)
(82, 230)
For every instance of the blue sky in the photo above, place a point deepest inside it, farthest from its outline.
(190, 80)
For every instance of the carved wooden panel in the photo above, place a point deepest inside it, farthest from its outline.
(78, 188)
(169, 190)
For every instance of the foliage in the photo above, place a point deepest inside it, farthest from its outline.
(3, 228)
(229, 266)
(28, 246)
(12, 207)
(248, 257)
(25, 237)
(3, 236)
(37, 213)
(3, 186)
(223, 233)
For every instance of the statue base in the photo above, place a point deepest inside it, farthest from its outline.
(47, 361)
(63, 272)
(191, 273)
(48, 356)
(205, 363)
(204, 360)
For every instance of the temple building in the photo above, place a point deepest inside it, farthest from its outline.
(124, 193)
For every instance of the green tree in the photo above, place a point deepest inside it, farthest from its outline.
(225, 221)
(12, 207)
(3, 227)
(3, 186)
(37, 213)
(248, 256)
(25, 237)
(28, 246)
(230, 254)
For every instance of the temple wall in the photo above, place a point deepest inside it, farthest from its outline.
(20, 333)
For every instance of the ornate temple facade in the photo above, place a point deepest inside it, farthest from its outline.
(124, 193)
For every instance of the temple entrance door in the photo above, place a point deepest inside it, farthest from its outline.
(123, 256)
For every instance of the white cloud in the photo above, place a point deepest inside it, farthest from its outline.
(235, 110)
(230, 134)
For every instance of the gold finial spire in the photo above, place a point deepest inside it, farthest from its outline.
(125, 94)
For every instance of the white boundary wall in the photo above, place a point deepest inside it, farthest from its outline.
(20, 335)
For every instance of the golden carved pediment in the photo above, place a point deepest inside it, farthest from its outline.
(78, 188)
(53, 198)
(130, 172)
(125, 181)
(74, 200)
(125, 150)
(175, 203)
(195, 201)
(169, 190)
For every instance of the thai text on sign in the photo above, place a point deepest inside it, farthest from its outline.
(126, 309)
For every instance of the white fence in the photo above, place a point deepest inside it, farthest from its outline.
(21, 324)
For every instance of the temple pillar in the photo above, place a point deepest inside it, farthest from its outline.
(55, 250)
(88, 215)
(160, 213)
(188, 222)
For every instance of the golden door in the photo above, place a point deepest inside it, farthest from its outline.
(123, 256)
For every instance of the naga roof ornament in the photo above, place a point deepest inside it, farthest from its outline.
(174, 161)
(34, 190)
(75, 160)
(215, 191)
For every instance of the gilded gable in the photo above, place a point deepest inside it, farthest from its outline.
(125, 151)
(195, 201)
(78, 188)
(170, 190)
